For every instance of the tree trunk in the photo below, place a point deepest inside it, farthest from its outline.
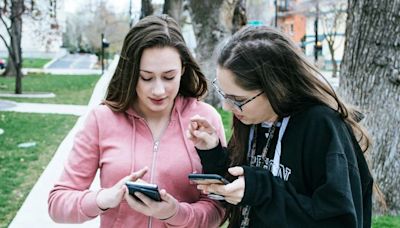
(334, 64)
(15, 52)
(239, 18)
(370, 79)
(147, 9)
(174, 9)
(212, 22)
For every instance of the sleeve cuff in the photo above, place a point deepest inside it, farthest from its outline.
(210, 152)
(89, 205)
(249, 192)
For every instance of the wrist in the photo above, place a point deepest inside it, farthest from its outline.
(215, 144)
(175, 211)
(99, 201)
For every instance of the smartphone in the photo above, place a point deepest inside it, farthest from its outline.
(149, 190)
(201, 178)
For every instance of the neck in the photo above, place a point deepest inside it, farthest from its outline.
(157, 122)
(271, 119)
(151, 116)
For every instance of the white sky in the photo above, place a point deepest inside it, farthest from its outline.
(118, 5)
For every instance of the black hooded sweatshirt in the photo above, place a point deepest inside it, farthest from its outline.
(323, 179)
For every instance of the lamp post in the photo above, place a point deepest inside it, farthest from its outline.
(104, 44)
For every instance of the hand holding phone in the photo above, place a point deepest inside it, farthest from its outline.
(206, 179)
(149, 190)
(201, 178)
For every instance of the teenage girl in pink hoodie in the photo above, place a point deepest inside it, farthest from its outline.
(139, 132)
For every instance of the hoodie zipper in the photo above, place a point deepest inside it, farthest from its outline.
(156, 143)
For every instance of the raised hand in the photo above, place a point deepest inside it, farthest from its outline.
(202, 133)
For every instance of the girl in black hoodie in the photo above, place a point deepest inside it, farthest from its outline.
(296, 153)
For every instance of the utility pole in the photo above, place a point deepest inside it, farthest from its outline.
(316, 33)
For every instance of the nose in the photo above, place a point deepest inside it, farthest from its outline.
(158, 88)
(227, 106)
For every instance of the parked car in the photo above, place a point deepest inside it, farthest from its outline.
(2, 63)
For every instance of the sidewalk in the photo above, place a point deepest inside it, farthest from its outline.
(33, 212)
(77, 110)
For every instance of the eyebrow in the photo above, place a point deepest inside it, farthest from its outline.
(150, 72)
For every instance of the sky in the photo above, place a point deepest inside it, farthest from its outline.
(72, 6)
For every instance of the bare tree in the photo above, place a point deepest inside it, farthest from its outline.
(212, 22)
(332, 22)
(12, 11)
(11, 16)
(174, 9)
(82, 35)
(147, 9)
(370, 79)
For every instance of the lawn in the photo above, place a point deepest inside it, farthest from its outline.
(386, 221)
(69, 89)
(34, 62)
(21, 167)
(227, 121)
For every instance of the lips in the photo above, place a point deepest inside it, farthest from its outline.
(157, 101)
(239, 116)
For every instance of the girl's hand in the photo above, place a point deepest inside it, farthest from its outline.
(165, 209)
(111, 197)
(232, 192)
(202, 133)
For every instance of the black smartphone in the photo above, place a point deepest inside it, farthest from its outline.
(201, 178)
(150, 190)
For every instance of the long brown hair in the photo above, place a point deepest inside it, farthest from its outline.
(263, 58)
(152, 31)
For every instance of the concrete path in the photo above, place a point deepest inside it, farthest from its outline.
(68, 64)
(33, 212)
(77, 110)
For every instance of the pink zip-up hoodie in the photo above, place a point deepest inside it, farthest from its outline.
(119, 143)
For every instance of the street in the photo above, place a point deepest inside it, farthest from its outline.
(74, 61)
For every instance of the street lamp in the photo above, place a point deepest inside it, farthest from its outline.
(104, 44)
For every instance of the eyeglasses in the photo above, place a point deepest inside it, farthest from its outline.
(236, 104)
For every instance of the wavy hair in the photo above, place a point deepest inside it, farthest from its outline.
(152, 31)
(263, 58)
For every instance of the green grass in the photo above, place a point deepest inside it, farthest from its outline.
(34, 62)
(21, 167)
(227, 121)
(386, 221)
(69, 89)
